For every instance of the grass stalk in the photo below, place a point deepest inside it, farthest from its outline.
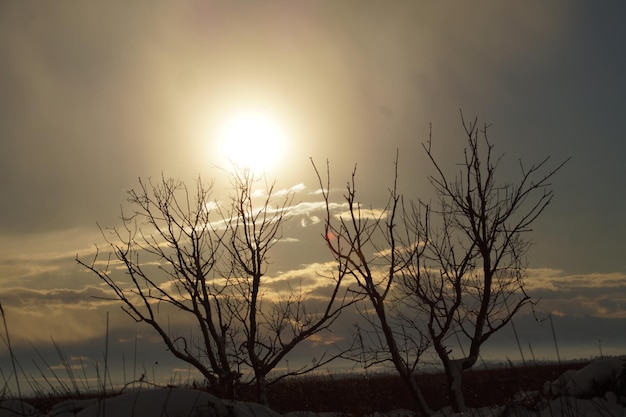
(532, 354)
(61, 383)
(556, 345)
(68, 368)
(106, 367)
(5, 384)
(86, 379)
(519, 345)
(13, 359)
(124, 369)
(135, 359)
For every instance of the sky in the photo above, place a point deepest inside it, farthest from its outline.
(95, 95)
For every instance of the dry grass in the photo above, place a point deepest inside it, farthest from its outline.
(359, 395)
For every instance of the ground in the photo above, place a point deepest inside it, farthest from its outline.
(593, 389)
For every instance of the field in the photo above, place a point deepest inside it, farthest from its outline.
(359, 394)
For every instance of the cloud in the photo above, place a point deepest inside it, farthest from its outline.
(291, 190)
(363, 213)
(595, 294)
(305, 208)
(307, 277)
(36, 324)
(89, 297)
(325, 339)
(14, 269)
(288, 240)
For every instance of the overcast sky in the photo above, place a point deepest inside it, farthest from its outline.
(94, 95)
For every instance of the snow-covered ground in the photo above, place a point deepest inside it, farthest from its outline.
(597, 390)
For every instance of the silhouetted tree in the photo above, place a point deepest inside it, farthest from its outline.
(180, 248)
(469, 281)
(373, 247)
(169, 248)
(271, 328)
(446, 275)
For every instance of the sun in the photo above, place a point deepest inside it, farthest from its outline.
(251, 139)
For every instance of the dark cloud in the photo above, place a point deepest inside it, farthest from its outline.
(86, 298)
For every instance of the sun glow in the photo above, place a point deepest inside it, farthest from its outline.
(251, 139)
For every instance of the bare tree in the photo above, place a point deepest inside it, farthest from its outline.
(469, 281)
(208, 261)
(373, 247)
(271, 327)
(173, 230)
(446, 275)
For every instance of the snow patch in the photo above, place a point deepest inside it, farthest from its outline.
(588, 381)
(12, 408)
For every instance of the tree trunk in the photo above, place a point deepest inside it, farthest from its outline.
(454, 374)
(261, 390)
(422, 406)
(396, 357)
(453, 369)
